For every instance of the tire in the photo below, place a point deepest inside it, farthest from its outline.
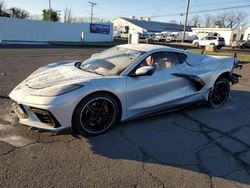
(219, 93)
(196, 44)
(95, 114)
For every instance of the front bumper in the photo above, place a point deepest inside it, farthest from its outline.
(50, 113)
(35, 117)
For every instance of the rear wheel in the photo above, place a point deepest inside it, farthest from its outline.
(219, 94)
(196, 44)
(95, 114)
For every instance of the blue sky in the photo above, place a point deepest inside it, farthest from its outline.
(109, 9)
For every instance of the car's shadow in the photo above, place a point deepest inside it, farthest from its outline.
(202, 140)
(215, 142)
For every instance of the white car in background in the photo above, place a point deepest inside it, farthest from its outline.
(160, 37)
(219, 42)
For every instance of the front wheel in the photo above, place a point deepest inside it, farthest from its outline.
(219, 93)
(95, 114)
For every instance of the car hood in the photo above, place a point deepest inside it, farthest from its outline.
(60, 73)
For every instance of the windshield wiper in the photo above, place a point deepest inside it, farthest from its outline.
(90, 70)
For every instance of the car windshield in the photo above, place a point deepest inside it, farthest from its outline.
(110, 62)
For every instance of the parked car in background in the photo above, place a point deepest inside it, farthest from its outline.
(116, 34)
(219, 42)
(246, 44)
(241, 44)
(178, 36)
(124, 35)
(160, 37)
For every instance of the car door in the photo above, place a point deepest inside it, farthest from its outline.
(247, 44)
(203, 41)
(146, 94)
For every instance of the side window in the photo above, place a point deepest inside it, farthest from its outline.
(163, 60)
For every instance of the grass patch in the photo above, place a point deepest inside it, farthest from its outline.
(243, 58)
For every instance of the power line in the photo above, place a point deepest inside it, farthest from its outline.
(198, 5)
(208, 10)
(128, 13)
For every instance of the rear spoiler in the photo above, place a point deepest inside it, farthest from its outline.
(236, 65)
(235, 77)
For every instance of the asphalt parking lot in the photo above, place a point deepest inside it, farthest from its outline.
(194, 147)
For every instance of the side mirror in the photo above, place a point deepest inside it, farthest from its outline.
(93, 55)
(145, 71)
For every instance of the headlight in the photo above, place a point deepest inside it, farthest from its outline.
(57, 90)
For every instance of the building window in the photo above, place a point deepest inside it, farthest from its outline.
(241, 37)
(234, 37)
(126, 29)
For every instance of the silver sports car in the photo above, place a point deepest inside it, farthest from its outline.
(121, 83)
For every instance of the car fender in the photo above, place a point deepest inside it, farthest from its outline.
(225, 65)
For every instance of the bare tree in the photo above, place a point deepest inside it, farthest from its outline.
(18, 13)
(86, 19)
(195, 21)
(220, 20)
(229, 19)
(235, 19)
(3, 12)
(208, 20)
(68, 15)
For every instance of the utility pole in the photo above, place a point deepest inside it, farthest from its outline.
(49, 10)
(92, 4)
(186, 20)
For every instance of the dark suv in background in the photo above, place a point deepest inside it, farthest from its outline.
(241, 44)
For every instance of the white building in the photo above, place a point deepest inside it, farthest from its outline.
(144, 25)
(228, 34)
(247, 34)
(22, 30)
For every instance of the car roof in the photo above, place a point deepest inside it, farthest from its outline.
(148, 47)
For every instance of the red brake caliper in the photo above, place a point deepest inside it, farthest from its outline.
(106, 109)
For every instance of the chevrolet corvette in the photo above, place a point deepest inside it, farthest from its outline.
(118, 84)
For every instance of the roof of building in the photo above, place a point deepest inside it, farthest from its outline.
(153, 26)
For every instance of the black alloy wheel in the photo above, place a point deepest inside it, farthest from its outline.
(95, 114)
(219, 94)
